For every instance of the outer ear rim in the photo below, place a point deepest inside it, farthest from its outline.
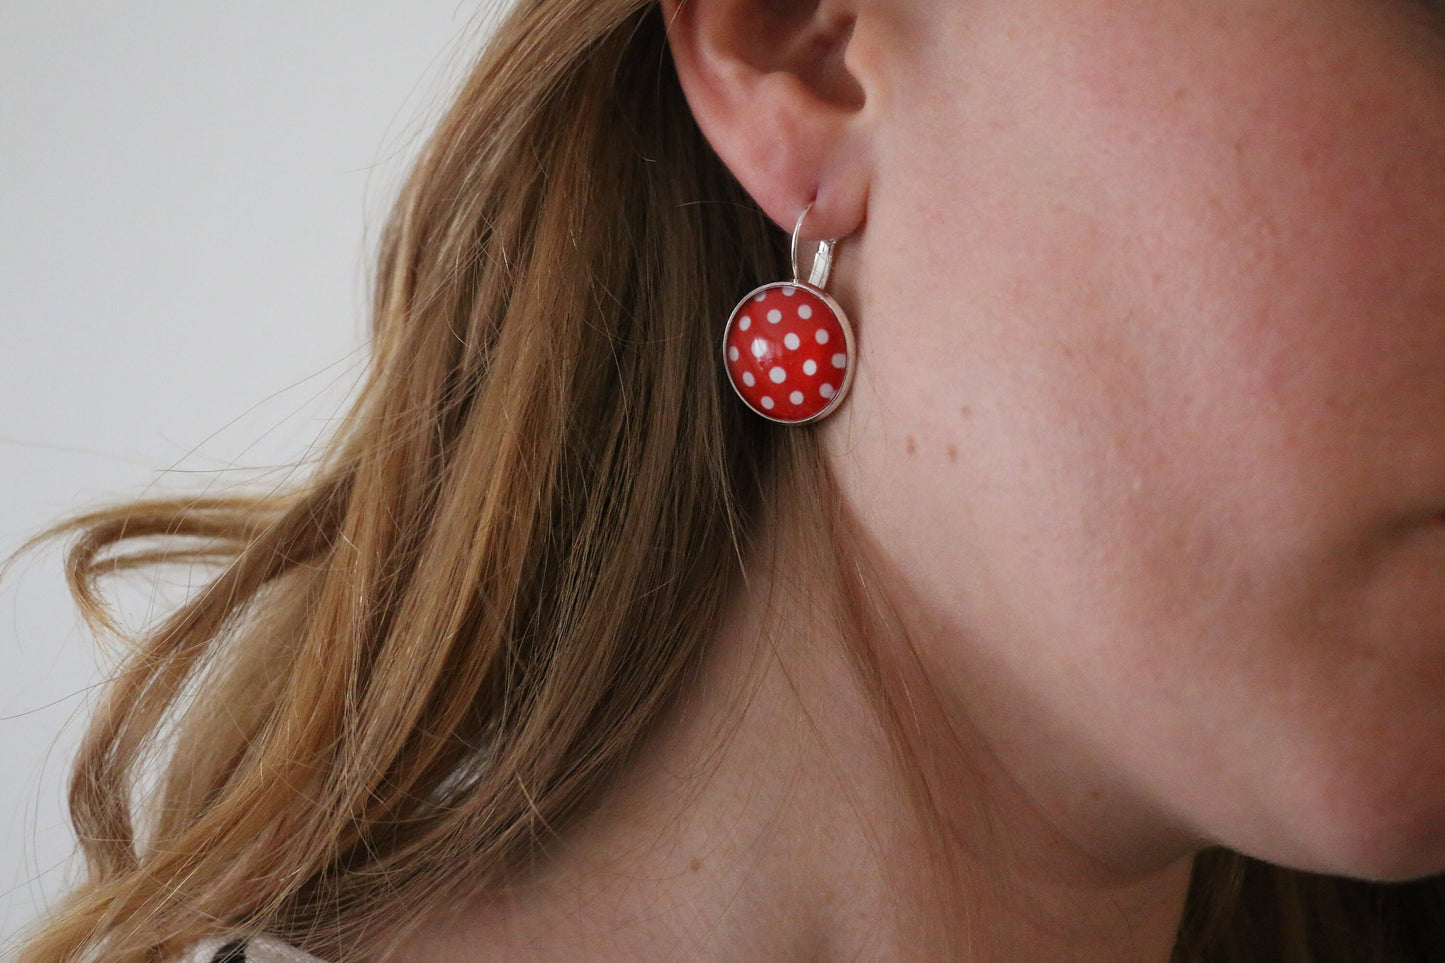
(786, 143)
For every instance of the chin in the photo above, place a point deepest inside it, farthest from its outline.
(1400, 852)
(1353, 773)
(1371, 828)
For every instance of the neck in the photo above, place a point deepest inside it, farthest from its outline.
(777, 815)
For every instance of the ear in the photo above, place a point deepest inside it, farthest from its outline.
(770, 85)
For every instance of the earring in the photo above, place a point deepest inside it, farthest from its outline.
(788, 348)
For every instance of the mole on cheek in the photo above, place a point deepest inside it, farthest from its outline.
(912, 445)
(953, 453)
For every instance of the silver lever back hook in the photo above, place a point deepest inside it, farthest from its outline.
(822, 260)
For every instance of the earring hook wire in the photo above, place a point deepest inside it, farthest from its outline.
(822, 259)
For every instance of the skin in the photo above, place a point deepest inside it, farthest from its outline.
(1146, 438)
(1186, 334)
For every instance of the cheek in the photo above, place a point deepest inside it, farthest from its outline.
(1180, 358)
(1185, 329)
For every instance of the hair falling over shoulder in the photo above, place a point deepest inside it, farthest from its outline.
(414, 667)
(429, 654)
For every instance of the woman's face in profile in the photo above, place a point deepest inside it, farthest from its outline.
(1150, 411)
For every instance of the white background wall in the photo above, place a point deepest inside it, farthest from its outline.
(189, 193)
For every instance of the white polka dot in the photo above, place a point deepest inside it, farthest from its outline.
(789, 290)
(760, 295)
(805, 311)
(767, 402)
(796, 397)
(760, 347)
(775, 316)
(827, 391)
(821, 336)
(744, 323)
(778, 375)
(791, 340)
(840, 361)
(733, 353)
(810, 367)
(748, 379)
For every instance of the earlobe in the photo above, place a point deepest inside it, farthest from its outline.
(769, 86)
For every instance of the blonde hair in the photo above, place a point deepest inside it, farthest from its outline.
(418, 664)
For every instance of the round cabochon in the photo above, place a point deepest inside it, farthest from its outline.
(788, 350)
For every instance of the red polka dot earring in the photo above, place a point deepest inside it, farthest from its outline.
(788, 347)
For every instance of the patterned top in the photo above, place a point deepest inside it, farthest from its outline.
(260, 949)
